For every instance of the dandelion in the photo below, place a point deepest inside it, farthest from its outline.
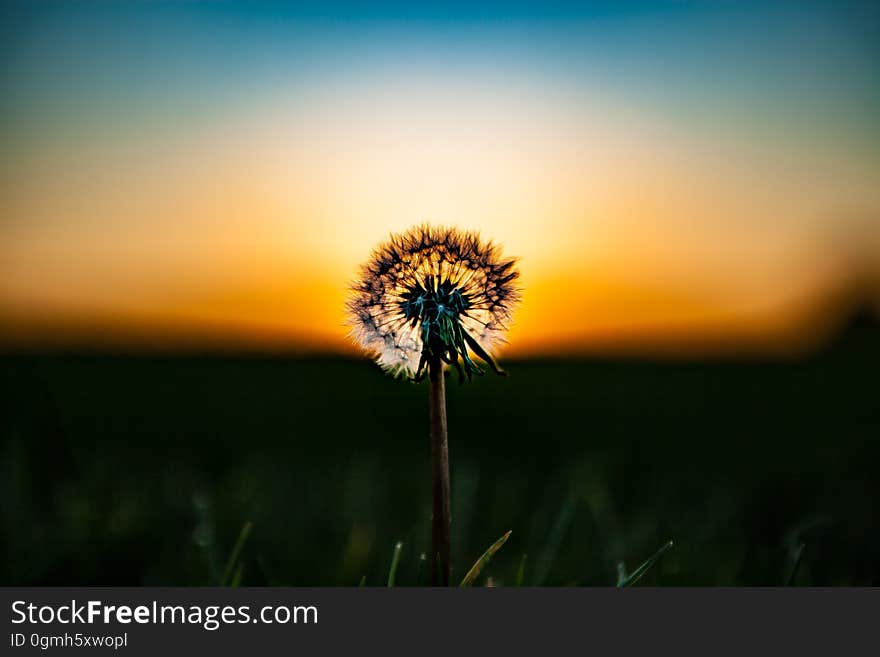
(428, 298)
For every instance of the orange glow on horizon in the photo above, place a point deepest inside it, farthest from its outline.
(636, 226)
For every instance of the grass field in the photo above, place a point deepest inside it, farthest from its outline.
(143, 469)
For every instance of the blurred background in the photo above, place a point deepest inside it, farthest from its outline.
(693, 190)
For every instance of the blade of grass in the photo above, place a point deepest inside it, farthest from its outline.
(521, 571)
(554, 540)
(798, 554)
(236, 578)
(363, 581)
(477, 568)
(639, 572)
(395, 560)
(420, 569)
(236, 552)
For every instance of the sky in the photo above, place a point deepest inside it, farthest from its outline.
(688, 175)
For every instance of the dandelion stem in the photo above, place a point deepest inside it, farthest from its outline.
(440, 526)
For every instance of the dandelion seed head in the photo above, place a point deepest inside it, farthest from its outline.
(433, 293)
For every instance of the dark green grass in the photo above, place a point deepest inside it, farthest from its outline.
(144, 470)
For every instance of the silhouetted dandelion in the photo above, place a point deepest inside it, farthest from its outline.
(428, 297)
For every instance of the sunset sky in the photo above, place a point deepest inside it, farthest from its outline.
(214, 173)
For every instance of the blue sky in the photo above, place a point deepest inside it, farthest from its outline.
(679, 155)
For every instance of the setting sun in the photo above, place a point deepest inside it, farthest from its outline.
(650, 195)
